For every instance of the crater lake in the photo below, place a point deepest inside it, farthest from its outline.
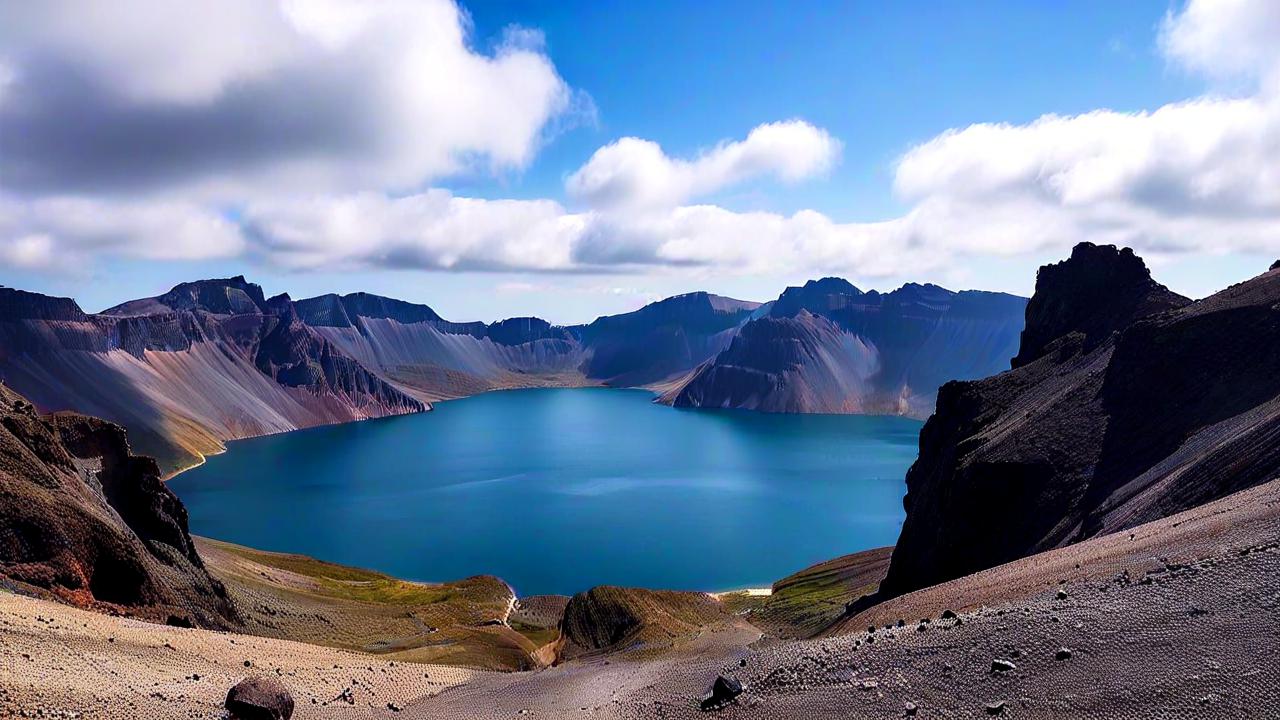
(558, 490)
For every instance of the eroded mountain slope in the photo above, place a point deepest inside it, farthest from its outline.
(1144, 404)
(828, 347)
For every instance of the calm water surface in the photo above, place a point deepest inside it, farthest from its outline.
(559, 490)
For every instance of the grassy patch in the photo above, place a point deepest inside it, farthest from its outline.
(303, 565)
(539, 636)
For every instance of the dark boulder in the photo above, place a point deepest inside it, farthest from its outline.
(723, 690)
(259, 698)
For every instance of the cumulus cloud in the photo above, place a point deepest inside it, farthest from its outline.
(436, 230)
(65, 233)
(1225, 38)
(225, 98)
(359, 105)
(433, 230)
(636, 173)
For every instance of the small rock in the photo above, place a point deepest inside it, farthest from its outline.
(394, 707)
(1062, 654)
(1002, 665)
(948, 614)
(1062, 594)
(259, 698)
(722, 691)
(910, 708)
(995, 708)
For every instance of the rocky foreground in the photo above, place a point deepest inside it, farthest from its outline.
(1178, 617)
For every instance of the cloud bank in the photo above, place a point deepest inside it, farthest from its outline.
(315, 124)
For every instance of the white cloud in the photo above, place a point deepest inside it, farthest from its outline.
(1225, 38)
(1194, 176)
(229, 98)
(634, 173)
(432, 230)
(65, 233)
(1199, 176)
(436, 230)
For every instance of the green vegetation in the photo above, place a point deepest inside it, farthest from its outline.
(539, 636)
(807, 602)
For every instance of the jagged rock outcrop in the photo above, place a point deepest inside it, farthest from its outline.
(227, 296)
(89, 523)
(1098, 291)
(1138, 409)
(828, 347)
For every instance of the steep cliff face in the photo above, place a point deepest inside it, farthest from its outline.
(434, 359)
(227, 296)
(803, 363)
(1098, 291)
(660, 340)
(186, 371)
(90, 523)
(827, 347)
(1139, 408)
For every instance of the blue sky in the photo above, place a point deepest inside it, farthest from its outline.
(879, 78)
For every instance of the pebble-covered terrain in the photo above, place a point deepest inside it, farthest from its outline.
(1176, 618)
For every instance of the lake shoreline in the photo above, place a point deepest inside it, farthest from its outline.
(627, 476)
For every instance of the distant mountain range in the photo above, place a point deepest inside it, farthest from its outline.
(828, 347)
(216, 360)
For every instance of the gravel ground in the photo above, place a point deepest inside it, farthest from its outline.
(1176, 618)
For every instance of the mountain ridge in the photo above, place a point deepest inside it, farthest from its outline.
(215, 360)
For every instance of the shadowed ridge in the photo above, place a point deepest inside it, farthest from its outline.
(23, 305)
(828, 347)
(91, 524)
(1097, 291)
(220, 296)
(816, 296)
(661, 340)
(1102, 428)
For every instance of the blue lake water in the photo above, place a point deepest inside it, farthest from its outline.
(559, 490)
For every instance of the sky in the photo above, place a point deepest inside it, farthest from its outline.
(573, 159)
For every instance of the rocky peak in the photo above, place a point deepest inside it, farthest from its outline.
(220, 296)
(816, 296)
(519, 330)
(229, 296)
(1098, 290)
(378, 307)
(22, 305)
